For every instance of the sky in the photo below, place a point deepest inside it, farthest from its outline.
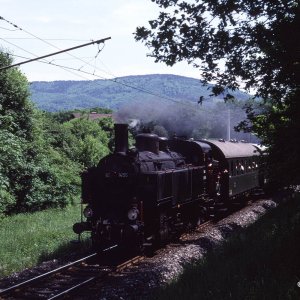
(50, 26)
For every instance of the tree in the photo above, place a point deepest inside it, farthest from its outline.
(254, 39)
(11, 150)
(16, 111)
(16, 124)
(87, 143)
(33, 175)
(249, 44)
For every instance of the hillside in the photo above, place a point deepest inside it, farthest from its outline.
(113, 94)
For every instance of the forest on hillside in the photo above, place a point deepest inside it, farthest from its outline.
(121, 92)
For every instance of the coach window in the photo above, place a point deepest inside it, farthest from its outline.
(243, 166)
(236, 163)
(240, 167)
(232, 168)
(249, 162)
(238, 170)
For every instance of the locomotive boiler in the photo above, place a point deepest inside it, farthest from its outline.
(143, 196)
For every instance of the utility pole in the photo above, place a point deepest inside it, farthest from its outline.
(228, 125)
(55, 53)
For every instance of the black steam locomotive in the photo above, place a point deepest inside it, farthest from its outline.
(144, 196)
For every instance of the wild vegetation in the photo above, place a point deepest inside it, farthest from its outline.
(41, 157)
(28, 239)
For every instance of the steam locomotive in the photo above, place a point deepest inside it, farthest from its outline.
(143, 196)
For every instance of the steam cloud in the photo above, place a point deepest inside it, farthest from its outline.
(186, 119)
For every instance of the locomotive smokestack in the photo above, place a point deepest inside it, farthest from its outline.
(121, 138)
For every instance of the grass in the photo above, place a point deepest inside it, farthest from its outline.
(28, 239)
(261, 262)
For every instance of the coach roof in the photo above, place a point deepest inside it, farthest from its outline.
(233, 149)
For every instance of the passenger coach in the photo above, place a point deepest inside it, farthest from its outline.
(238, 167)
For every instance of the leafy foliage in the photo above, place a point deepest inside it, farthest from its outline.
(279, 127)
(42, 155)
(241, 44)
(87, 142)
(254, 39)
(15, 109)
(11, 150)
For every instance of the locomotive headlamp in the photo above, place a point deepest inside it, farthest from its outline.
(88, 212)
(132, 214)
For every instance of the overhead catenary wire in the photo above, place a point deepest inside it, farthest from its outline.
(44, 60)
(79, 70)
(8, 29)
(50, 44)
(55, 53)
(44, 41)
(41, 61)
(116, 80)
(96, 75)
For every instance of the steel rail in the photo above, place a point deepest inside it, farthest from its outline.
(73, 288)
(118, 268)
(45, 275)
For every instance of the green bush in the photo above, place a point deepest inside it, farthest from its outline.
(42, 155)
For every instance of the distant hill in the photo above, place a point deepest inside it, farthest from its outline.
(115, 93)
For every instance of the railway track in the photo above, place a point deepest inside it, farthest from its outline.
(65, 280)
